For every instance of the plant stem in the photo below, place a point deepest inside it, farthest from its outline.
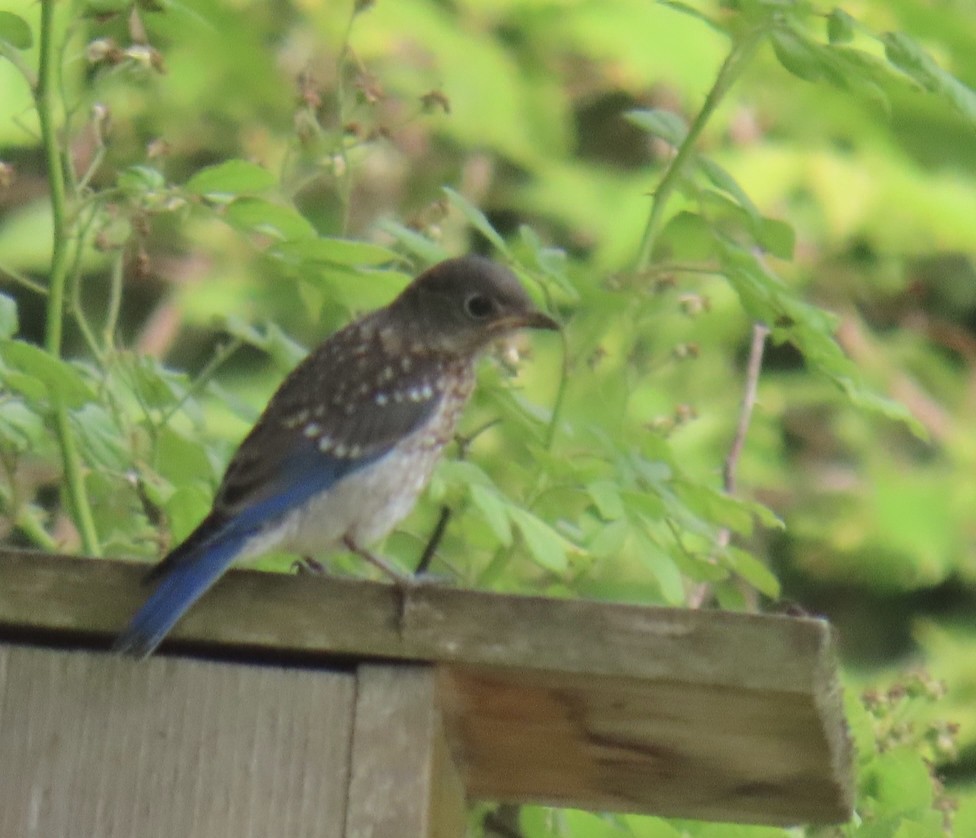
(54, 159)
(55, 172)
(557, 407)
(735, 61)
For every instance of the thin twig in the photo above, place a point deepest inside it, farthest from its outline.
(760, 332)
(220, 356)
(24, 280)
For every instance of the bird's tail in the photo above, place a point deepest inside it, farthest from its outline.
(181, 584)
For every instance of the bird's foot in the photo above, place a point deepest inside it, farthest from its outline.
(307, 566)
(425, 578)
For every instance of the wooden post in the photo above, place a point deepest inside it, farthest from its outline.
(336, 707)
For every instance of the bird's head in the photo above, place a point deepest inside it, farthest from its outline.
(462, 305)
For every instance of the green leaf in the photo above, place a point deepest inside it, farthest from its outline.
(285, 351)
(60, 379)
(495, 512)
(810, 329)
(101, 443)
(8, 316)
(15, 31)
(427, 251)
(138, 180)
(796, 54)
(686, 236)
(609, 540)
(776, 237)
(647, 504)
(899, 780)
(232, 177)
(256, 215)
(840, 27)
(333, 251)
(667, 125)
(664, 568)
(715, 506)
(477, 219)
(721, 179)
(155, 386)
(550, 260)
(909, 57)
(730, 218)
(753, 571)
(607, 499)
(21, 429)
(547, 546)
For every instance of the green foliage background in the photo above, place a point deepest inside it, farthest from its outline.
(240, 178)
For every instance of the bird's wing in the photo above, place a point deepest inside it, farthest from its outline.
(330, 417)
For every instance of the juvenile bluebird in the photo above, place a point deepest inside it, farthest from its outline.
(350, 439)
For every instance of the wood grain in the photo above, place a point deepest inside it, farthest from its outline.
(95, 746)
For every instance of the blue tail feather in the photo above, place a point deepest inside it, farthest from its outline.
(181, 585)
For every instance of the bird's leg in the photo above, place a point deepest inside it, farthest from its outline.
(400, 577)
(433, 542)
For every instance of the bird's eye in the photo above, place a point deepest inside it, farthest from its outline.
(478, 306)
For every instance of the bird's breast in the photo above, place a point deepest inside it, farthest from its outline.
(368, 503)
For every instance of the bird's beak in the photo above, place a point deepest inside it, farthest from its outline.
(537, 320)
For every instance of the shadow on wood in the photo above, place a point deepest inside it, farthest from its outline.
(707, 715)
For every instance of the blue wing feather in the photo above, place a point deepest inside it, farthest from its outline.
(189, 571)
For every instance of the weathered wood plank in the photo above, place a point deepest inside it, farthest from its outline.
(403, 780)
(703, 714)
(94, 745)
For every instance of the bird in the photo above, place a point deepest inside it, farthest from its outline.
(349, 441)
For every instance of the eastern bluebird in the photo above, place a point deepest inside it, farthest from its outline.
(351, 437)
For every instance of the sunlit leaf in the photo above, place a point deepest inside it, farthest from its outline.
(545, 545)
(606, 496)
(900, 780)
(755, 572)
(665, 571)
(494, 511)
(256, 215)
(232, 177)
(334, 251)
(15, 31)
(686, 237)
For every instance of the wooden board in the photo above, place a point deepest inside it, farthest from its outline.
(93, 745)
(709, 715)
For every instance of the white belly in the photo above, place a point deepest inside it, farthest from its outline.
(364, 506)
